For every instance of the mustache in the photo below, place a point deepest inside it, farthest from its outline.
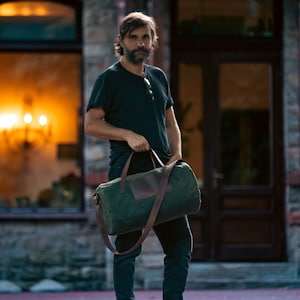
(144, 50)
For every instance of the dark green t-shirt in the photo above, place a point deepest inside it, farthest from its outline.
(125, 100)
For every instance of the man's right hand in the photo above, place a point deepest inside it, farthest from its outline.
(137, 142)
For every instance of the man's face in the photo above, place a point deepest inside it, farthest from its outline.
(137, 45)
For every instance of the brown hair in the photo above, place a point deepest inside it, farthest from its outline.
(132, 21)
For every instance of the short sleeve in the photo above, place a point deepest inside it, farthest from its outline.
(170, 101)
(99, 95)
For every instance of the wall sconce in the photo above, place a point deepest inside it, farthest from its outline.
(26, 130)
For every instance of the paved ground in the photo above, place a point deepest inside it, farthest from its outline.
(259, 294)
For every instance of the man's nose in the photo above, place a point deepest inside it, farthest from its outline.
(140, 43)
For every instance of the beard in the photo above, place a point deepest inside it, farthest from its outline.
(137, 56)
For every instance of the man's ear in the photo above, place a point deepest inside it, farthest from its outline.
(119, 40)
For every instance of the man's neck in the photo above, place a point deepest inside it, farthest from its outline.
(135, 69)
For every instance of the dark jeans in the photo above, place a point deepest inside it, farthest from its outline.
(176, 240)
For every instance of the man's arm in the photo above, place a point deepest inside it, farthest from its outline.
(95, 125)
(174, 135)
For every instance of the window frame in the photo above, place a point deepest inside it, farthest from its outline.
(61, 46)
(255, 43)
(72, 45)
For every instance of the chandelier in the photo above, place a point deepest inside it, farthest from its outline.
(26, 129)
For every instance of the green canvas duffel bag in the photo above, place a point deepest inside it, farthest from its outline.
(142, 200)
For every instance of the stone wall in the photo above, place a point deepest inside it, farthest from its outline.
(68, 252)
(292, 126)
(71, 253)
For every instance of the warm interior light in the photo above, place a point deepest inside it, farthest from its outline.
(27, 118)
(7, 10)
(43, 120)
(41, 11)
(25, 11)
(7, 121)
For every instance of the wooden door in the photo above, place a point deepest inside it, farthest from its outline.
(229, 109)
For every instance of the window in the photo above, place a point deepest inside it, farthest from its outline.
(203, 18)
(37, 21)
(245, 99)
(40, 130)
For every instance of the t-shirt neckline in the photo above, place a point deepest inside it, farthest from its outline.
(135, 75)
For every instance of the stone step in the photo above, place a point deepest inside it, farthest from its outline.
(236, 275)
(247, 271)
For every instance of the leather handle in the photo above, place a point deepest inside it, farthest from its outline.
(167, 169)
(124, 172)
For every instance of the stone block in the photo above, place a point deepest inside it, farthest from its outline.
(48, 285)
(7, 286)
(293, 178)
(151, 261)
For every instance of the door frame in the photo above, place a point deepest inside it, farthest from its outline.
(210, 61)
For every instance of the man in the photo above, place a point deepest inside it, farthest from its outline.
(131, 106)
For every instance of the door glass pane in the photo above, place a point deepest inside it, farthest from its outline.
(245, 124)
(225, 18)
(189, 114)
(36, 21)
(40, 161)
